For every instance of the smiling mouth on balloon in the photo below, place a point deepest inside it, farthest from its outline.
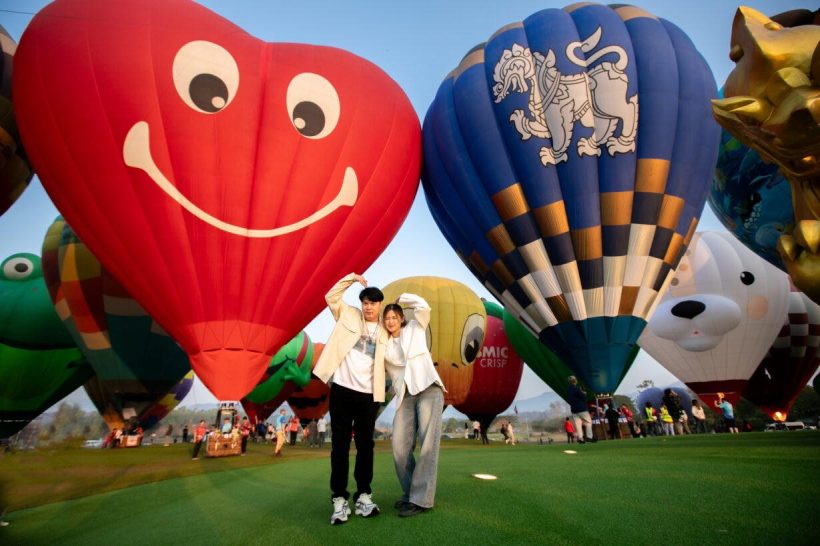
(136, 152)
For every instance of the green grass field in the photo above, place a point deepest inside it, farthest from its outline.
(756, 488)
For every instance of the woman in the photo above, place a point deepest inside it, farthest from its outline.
(419, 394)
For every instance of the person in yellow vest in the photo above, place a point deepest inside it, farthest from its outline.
(651, 419)
(667, 421)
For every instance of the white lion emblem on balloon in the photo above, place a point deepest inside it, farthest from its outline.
(597, 98)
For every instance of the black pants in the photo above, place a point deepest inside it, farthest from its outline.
(197, 445)
(244, 443)
(351, 411)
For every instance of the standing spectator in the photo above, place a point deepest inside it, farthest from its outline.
(270, 436)
(199, 435)
(577, 399)
(476, 430)
(313, 433)
(700, 417)
(185, 434)
(651, 422)
(630, 420)
(672, 402)
(728, 413)
(466, 429)
(482, 432)
(245, 431)
(321, 426)
(281, 429)
(570, 430)
(294, 429)
(261, 430)
(511, 433)
(667, 421)
(612, 418)
(306, 434)
(684, 421)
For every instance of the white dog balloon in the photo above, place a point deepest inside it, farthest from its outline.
(724, 308)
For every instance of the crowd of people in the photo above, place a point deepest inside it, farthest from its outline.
(115, 436)
(283, 429)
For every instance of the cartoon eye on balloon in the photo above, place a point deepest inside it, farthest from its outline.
(206, 76)
(233, 165)
(471, 337)
(18, 268)
(567, 160)
(313, 105)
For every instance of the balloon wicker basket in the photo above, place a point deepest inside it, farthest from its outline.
(130, 440)
(223, 445)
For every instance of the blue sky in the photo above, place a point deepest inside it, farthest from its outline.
(417, 43)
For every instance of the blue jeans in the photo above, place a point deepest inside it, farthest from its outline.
(419, 414)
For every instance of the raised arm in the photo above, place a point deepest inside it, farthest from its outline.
(334, 296)
(421, 309)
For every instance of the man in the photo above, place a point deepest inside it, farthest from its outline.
(199, 435)
(227, 427)
(245, 431)
(321, 426)
(700, 417)
(577, 399)
(353, 359)
(672, 402)
(728, 413)
(281, 428)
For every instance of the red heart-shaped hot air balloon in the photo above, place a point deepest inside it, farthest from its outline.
(226, 182)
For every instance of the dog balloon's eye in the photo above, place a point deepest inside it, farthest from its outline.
(747, 278)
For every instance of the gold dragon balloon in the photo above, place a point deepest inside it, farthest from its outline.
(772, 104)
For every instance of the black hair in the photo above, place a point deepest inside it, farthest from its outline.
(371, 293)
(396, 308)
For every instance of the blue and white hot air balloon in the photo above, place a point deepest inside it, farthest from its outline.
(567, 161)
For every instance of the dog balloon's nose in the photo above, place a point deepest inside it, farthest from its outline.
(688, 309)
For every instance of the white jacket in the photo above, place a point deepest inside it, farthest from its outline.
(416, 370)
(349, 328)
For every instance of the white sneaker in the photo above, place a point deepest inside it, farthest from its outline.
(341, 509)
(365, 506)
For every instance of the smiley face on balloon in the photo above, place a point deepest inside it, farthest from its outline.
(226, 182)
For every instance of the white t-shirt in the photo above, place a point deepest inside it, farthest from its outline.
(394, 353)
(356, 370)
